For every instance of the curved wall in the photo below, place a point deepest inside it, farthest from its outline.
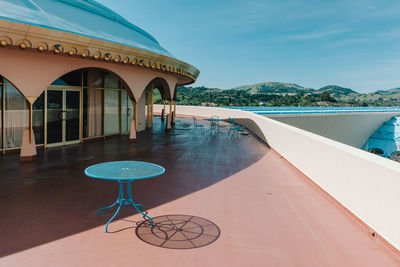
(365, 184)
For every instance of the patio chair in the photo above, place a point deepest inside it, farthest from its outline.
(197, 126)
(232, 126)
(235, 128)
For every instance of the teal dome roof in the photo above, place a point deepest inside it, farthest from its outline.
(82, 17)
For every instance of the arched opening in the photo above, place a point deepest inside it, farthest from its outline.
(84, 105)
(157, 92)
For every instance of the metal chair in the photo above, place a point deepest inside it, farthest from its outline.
(234, 128)
(197, 126)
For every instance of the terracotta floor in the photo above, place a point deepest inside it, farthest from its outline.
(268, 214)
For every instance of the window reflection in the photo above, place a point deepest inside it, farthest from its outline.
(70, 79)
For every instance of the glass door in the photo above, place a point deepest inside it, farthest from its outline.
(63, 116)
(127, 112)
(71, 114)
(54, 116)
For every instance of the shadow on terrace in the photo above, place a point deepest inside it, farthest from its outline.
(51, 198)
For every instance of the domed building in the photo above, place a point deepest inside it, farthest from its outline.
(74, 71)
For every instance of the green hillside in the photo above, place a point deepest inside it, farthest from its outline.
(283, 94)
(273, 88)
(337, 91)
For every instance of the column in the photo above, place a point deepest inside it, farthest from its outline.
(163, 111)
(132, 136)
(28, 147)
(151, 104)
(169, 117)
(174, 114)
(148, 107)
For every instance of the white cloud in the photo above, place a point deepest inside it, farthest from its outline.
(312, 35)
(388, 35)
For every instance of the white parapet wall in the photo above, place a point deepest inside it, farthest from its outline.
(352, 129)
(366, 184)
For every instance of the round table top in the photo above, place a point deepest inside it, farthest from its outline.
(124, 170)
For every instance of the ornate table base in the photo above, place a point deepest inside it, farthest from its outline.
(121, 200)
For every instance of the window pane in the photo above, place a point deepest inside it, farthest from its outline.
(111, 112)
(38, 119)
(72, 102)
(94, 78)
(54, 116)
(124, 112)
(70, 79)
(111, 81)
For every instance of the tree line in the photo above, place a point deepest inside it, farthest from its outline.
(198, 96)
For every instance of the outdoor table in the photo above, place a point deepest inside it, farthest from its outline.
(124, 172)
(214, 124)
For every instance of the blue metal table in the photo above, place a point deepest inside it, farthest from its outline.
(124, 172)
(214, 124)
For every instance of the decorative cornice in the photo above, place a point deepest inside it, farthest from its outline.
(45, 40)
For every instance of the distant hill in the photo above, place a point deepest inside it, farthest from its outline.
(336, 91)
(273, 88)
(286, 94)
(290, 88)
(388, 92)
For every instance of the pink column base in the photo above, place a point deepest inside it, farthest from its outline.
(132, 136)
(167, 122)
(28, 149)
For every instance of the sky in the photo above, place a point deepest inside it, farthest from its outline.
(312, 43)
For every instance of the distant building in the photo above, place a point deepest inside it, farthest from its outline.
(209, 104)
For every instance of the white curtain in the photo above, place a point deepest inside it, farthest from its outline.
(94, 112)
(16, 116)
